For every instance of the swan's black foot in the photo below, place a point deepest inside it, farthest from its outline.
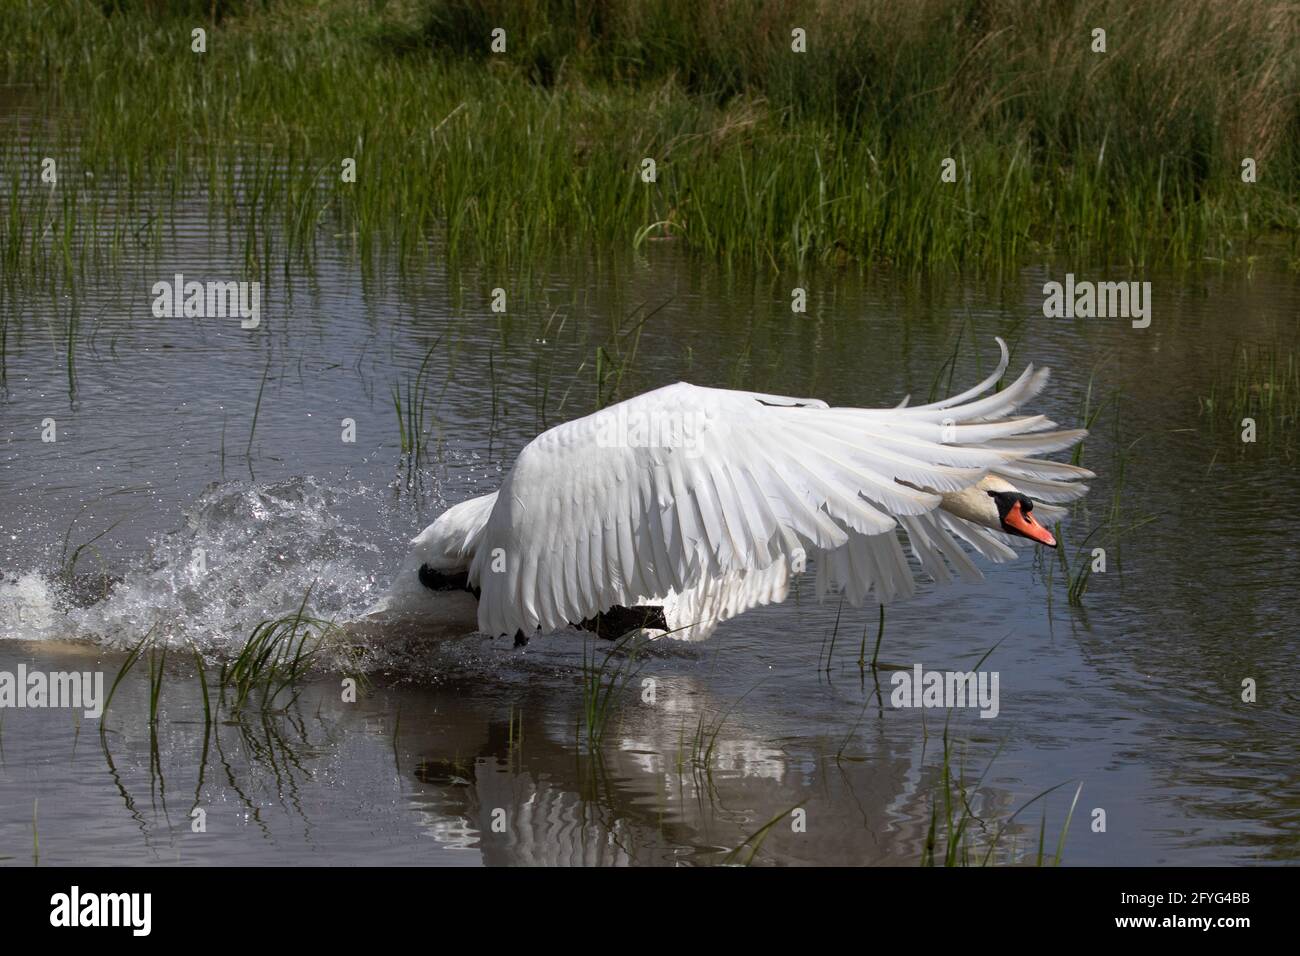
(521, 639)
(612, 624)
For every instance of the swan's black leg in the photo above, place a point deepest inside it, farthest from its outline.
(612, 624)
(521, 639)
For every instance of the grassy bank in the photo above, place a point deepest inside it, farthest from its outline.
(765, 157)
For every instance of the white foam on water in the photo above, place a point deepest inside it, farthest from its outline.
(29, 608)
(245, 553)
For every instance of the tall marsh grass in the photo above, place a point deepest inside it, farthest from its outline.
(962, 834)
(278, 655)
(605, 685)
(765, 157)
(1260, 383)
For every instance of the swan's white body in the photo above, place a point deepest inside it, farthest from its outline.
(707, 501)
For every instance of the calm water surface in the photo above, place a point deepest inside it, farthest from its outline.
(1135, 694)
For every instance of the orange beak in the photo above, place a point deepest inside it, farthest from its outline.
(1023, 523)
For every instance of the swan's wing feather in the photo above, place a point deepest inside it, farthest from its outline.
(630, 517)
(694, 613)
(694, 491)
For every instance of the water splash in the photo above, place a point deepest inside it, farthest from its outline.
(245, 553)
(28, 607)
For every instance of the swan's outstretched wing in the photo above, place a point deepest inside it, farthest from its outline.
(684, 485)
(694, 614)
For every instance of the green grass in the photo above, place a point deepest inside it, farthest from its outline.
(755, 840)
(959, 836)
(410, 402)
(875, 654)
(128, 664)
(765, 158)
(4, 350)
(68, 562)
(1117, 523)
(277, 655)
(708, 728)
(605, 684)
(1260, 382)
(257, 411)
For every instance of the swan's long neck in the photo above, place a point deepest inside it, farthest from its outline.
(450, 542)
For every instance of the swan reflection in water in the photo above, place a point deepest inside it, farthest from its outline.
(522, 789)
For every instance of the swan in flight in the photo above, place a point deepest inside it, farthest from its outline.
(685, 506)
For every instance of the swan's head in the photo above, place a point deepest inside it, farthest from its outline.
(1015, 517)
(996, 503)
(432, 582)
(441, 554)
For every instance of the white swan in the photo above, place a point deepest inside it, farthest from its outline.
(686, 506)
